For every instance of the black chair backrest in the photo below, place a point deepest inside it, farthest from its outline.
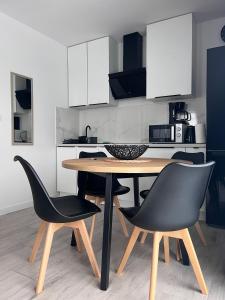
(93, 182)
(175, 197)
(43, 205)
(196, 158)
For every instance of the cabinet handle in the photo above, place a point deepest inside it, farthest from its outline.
(168, 96)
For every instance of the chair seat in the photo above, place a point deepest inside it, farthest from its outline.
(144, 193)
(74, 208)
(120, 190)
(129, 212)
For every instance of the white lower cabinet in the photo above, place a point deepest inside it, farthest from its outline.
(66, 179)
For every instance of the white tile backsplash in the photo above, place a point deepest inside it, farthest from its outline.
(127, 122)
(67, 124)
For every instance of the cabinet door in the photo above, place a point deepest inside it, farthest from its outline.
(66, 179)
(169, 57)
(98, 70)
(77, 73)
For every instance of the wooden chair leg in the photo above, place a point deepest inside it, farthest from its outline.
(37, 241)
(88, 247)
(166, 249)
(97, 202)
(154, 264)
(78, 240)
(144, 236)
(120, 216)
(194, 261)
(45, 257)
(129, 248)
(200, 233)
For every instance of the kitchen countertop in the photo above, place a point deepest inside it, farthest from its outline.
(173, 145)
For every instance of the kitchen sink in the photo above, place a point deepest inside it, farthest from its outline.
(87, 140)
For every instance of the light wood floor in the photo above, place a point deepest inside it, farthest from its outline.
(69, 275)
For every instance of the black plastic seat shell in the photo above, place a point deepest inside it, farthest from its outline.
(59, 209)
(174, 200)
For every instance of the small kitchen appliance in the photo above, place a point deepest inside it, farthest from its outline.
(190, 135)
(178, 113)
(170, 133)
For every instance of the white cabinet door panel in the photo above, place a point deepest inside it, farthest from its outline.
(169, 57)
(66, 179)
(77, 74)
(98, 70)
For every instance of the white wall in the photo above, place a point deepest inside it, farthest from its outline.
(128, 122)
(27, 52)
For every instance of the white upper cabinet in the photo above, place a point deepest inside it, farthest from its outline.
(88, 67)
(102, 60)
(77, 74)
(169, 57)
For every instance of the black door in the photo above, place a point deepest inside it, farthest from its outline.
(215, 200)
(216, 98)
(215, 204)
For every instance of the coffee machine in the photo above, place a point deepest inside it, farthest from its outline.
(178, 113)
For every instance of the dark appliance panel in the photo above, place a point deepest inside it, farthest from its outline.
(215, 203)
(162, 133)
(16, 123)
(132, 51)
(215, 200)
(216, 98)
(128, 84)
(132, 81)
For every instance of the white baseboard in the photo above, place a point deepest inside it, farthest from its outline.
(15, 207)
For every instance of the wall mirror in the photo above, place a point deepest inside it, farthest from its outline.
(22, 109)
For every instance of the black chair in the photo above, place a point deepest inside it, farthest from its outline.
(95, 190)
(170, 208)
(195, 158)
(56, 213)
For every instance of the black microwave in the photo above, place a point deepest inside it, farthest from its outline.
(171, 133)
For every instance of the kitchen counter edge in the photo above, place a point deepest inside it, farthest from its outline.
(150, 145)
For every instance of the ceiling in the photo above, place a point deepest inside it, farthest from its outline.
(74, 21)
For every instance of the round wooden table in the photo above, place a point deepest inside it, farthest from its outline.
(109, 167)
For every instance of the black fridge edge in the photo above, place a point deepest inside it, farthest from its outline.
(215, 145)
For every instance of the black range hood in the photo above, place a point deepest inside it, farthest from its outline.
(128, 84)
(24, 96)
(132, 81)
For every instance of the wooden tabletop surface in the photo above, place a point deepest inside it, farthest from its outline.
(111, 165)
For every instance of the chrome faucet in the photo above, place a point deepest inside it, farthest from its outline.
(86, 130)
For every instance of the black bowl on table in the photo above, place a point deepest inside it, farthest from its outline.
(126, 152)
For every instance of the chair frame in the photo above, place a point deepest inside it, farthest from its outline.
(50, 229)
(157, 237)
(181, 155)
(98, 201)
